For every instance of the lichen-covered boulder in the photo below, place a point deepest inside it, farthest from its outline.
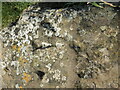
(61, 48)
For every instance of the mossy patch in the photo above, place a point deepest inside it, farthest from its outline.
(11, 11)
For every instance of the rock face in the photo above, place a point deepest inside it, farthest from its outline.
(58, 48)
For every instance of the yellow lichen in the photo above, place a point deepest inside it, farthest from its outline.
(14, 47)
(22, 60)
(26, 77)
(58, 12)
(19, 48)
(20, 87)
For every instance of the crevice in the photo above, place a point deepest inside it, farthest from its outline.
(41, 47)
(76, 48)
(40, 74)
(48, 26)
(34, 45)
(81, 75)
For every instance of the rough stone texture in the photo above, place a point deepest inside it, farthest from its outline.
(57, 48)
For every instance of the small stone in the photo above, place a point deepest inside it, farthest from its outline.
(103, 28)
(64, 78)
(61, 64)
(59, 44)
(17, 86)
(44, 44)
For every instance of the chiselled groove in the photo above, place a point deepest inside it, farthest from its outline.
(41, 47)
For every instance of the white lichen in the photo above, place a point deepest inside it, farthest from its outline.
(15, 63)
(57, 75)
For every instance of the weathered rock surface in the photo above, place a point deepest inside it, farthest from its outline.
(57, 48)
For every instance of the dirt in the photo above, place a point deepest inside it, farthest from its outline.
(74, 47)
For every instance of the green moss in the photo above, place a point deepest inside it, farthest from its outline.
(0, 15)
(11, 11)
